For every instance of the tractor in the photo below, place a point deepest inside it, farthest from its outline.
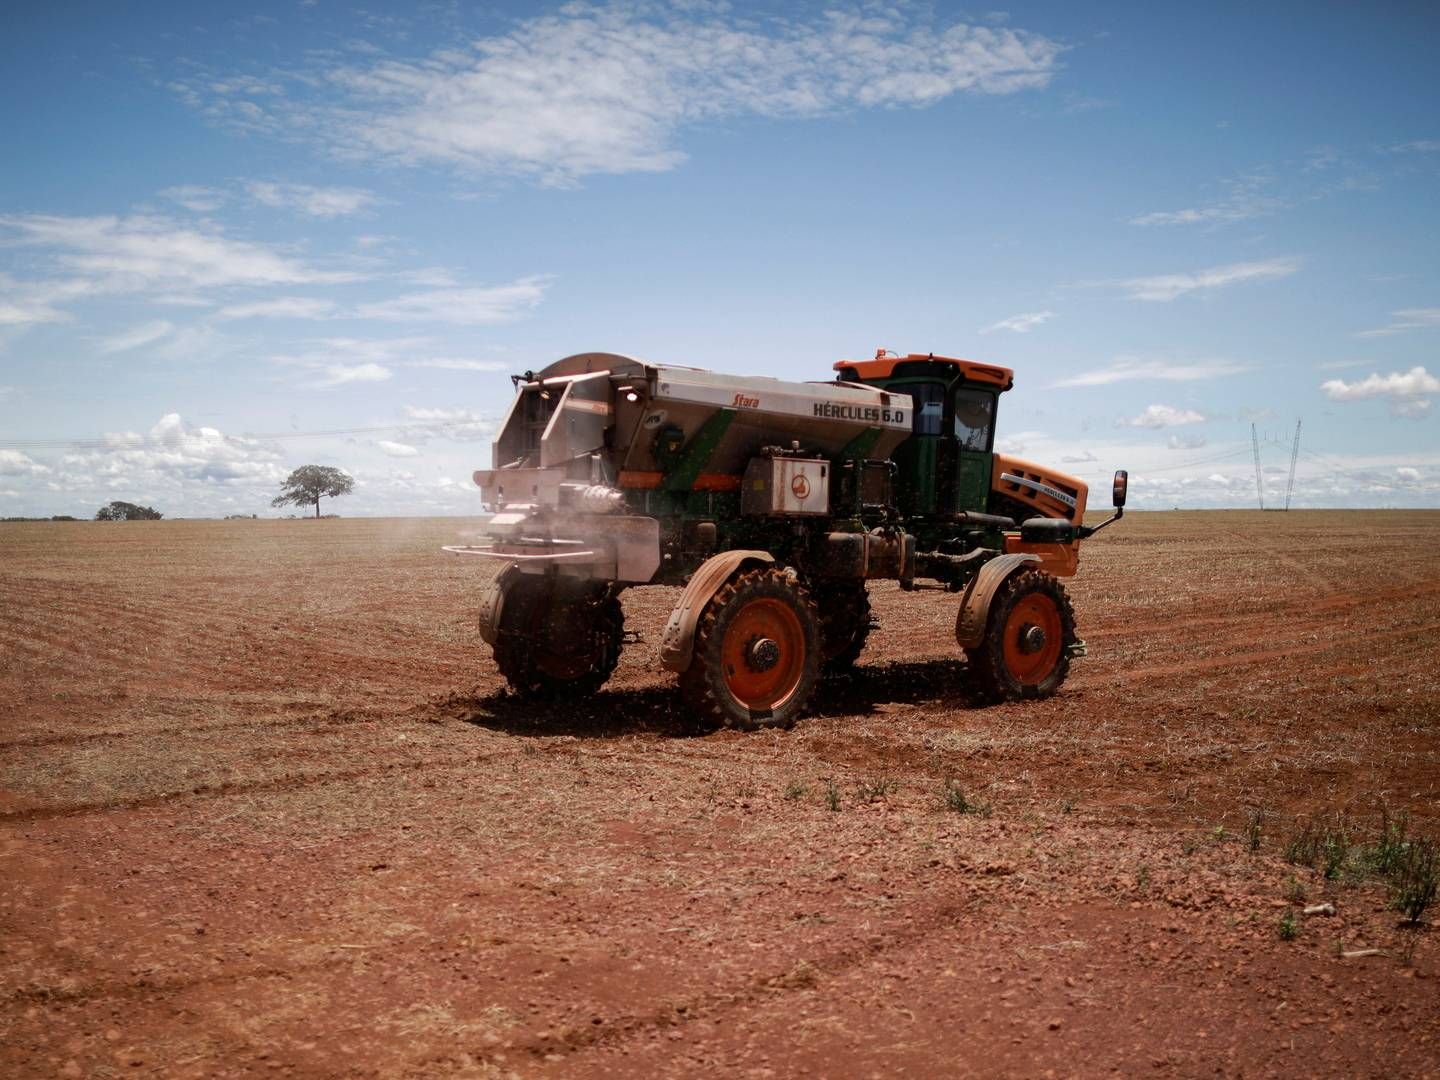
(773, 504)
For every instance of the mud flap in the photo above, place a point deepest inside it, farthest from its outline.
(975, 603)
(677, 644)
(492, 603)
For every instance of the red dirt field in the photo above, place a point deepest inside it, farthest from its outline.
(265, 809)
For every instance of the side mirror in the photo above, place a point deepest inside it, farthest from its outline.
(1122, 481)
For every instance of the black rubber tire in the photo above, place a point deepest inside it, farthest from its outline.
(990, 674)
(704, 685)
(558, 639)
(844, 610)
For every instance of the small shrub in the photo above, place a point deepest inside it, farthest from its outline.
(796, 790)
(956, 800)
(1252, 831)
(1324, 848)
(1415, 880)
(1294, 891)
(875, 789)
(1289, 928)
(1389, 854)
(832, 794)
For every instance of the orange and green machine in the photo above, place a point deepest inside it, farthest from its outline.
(775, 505)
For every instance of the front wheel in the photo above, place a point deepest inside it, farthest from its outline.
(757, 652)
(1025, 653)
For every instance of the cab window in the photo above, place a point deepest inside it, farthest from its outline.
(974, 413)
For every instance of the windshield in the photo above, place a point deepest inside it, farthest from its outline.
(974, 416)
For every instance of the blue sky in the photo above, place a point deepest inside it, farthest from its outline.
(222, 233)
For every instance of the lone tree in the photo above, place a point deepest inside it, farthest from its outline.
(311, 483)
(124, 511)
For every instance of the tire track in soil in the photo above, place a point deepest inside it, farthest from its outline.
(921, 922)
(152, 988)
(211, 791)
(1217, 663)
(1227, 615)
(335, 718)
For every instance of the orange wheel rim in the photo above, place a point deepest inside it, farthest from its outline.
(1033, 639)
(763, 654)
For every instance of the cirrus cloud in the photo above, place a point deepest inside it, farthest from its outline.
(1130, 368)
(607, 88)
(1020, 324)
(1163, 288)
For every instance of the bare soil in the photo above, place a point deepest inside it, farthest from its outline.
(266, 809)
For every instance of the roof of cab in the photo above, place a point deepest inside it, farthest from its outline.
(884, 364)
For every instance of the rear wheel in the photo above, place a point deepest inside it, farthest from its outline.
(844, 609)
(757, 652)
(1026, 650)
(558, 638)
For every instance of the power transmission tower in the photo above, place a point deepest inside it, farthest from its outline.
(1294, 454)
(1259, 477)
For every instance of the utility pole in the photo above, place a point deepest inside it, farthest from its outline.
(1294, 454)
(1259, 477)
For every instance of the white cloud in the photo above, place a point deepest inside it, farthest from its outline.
(27, 303)
(341, 374)
(461, 307)
(1418, 146)
(171, 455)
(446, 364)
(1081, 458)
(605, 89)
(347, 350)
(141, 253)
(320, 202)
(1020, 324)
(1165, 287)
(14, 463)
(395, 449)
(1130, 368)
(136, 336)
(1408, 475)
(461, 424)
(1163, 416)
(284, 307)
(1408, 391)
(1244, 199)
(195, 197)
(1185, 442)
(1403, 320)
(18, 311)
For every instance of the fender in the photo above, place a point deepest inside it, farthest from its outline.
(492, 602)
(975, 604)
(677, 644)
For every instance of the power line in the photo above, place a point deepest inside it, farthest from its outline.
(1201, 461)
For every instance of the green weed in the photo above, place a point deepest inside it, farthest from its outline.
(955, 800)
